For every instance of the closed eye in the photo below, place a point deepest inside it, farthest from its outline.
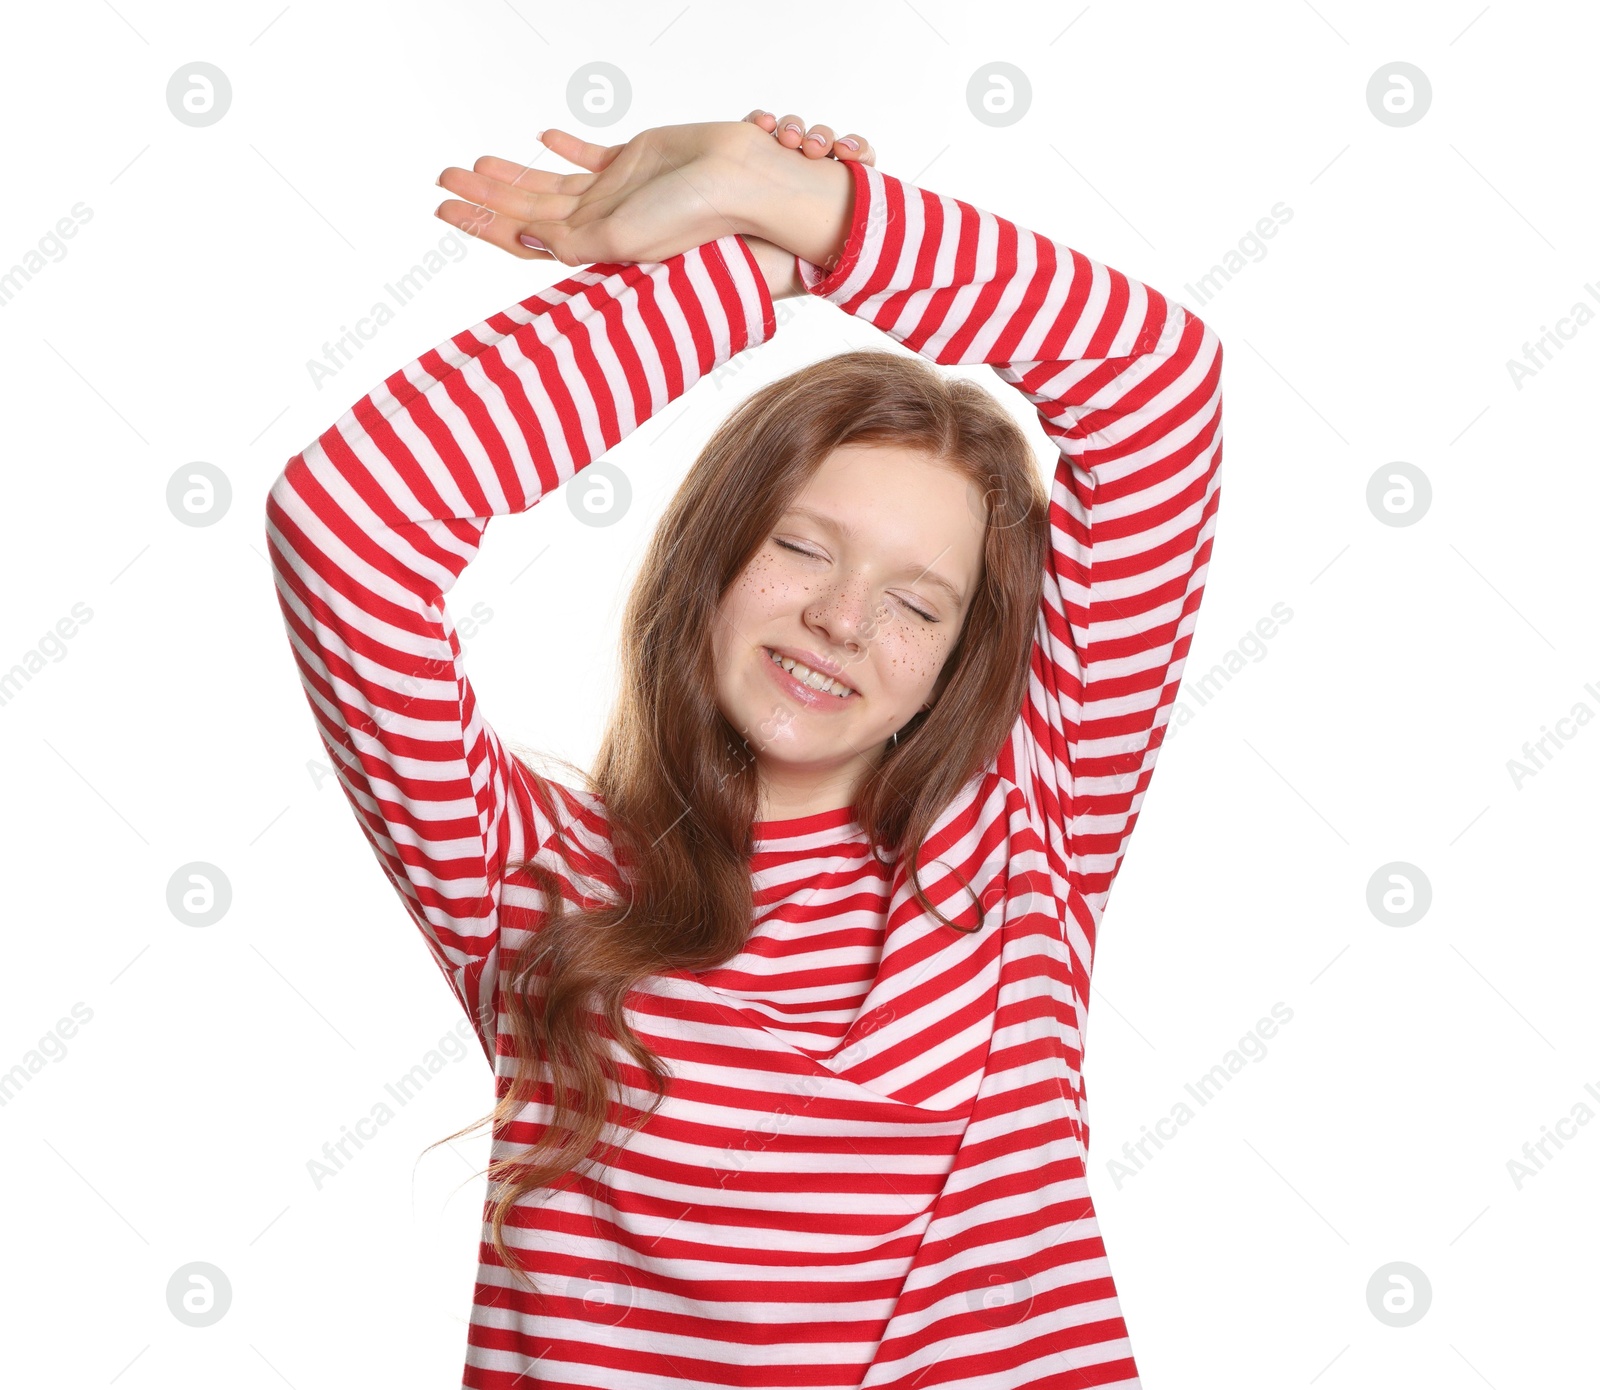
(925, 616)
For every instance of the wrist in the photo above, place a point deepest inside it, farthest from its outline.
(801, 205)
(777, 267)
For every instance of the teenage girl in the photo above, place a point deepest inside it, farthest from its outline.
(785, 1001)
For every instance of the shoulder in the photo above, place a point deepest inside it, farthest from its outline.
(564, 824)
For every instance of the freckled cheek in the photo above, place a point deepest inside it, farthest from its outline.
(764, 589)
(908, 653)
(909, 658)
(759, 602)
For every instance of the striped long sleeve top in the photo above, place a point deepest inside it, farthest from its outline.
(870, 1167)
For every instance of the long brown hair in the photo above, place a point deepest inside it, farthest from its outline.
(678, 783)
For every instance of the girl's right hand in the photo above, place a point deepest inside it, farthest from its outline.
(668, 189)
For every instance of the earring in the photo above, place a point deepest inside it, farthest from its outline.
(894, 739)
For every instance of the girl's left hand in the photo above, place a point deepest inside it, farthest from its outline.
(816, 143)
(777, 265)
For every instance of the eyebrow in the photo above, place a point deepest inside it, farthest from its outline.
(842, 529)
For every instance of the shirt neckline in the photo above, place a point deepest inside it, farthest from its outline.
(792, 827)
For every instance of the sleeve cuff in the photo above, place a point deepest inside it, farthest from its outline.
(753, 284)
(824, 283)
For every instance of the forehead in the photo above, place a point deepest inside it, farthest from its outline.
(891, 478)
(907, 508)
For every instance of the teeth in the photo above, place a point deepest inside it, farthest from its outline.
(806, 676)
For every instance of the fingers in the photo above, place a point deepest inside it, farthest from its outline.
(580, 152)
(790, 132)
(498, 199)
(534, 199)
(818, 143)
(863, 152)
(815, 142)
(514, 190)
(487, 225)
(526, 177)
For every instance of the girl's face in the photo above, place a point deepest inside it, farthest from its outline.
(867, 578)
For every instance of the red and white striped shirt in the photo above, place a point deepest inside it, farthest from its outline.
(869, 1170)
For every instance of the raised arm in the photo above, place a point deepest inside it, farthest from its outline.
(371, 525)
(1127, 386)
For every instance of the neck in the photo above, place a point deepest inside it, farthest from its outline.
(789, 793)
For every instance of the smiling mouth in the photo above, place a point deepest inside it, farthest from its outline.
(816, 681)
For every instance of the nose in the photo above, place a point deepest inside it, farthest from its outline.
(847, 612)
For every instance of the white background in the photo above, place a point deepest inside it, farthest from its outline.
(1377, 724)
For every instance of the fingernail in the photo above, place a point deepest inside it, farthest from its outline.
(817, 138)
(766, 113)
(848, 143)
(792, 126)
(532, 242)
(539, 136)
